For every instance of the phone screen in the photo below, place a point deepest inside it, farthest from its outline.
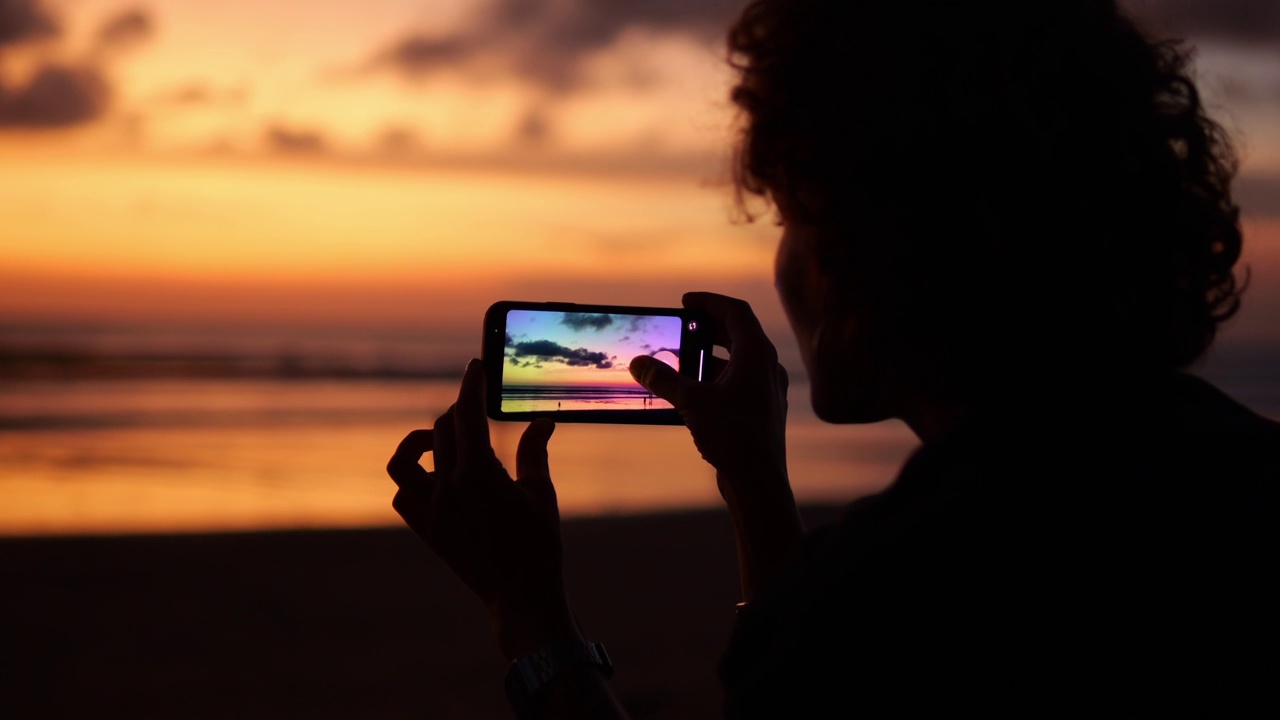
(572, 362)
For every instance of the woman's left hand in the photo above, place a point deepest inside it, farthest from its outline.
(499, 535)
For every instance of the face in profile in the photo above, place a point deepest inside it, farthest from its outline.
(848, 377)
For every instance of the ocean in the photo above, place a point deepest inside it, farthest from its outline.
(147, 455)
(194, 455)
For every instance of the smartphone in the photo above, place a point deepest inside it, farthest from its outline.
(570, 361)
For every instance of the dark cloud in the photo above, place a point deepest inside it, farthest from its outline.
(580, 25)
(549, 351)
(59, 95)
(543, 42)
(582, 321)
(1233, 21)
(56, 96)
(23, 20)
(289, 140)
(638, 324)
(415, 56)
(126, 30)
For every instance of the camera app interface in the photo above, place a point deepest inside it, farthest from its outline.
(580, 361)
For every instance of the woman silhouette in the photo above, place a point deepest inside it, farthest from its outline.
(1009, 224)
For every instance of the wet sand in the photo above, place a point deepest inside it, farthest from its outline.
(344, 623)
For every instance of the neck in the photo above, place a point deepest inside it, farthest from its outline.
(930, 421)
(1028, 400)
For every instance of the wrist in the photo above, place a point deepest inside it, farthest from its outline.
(522, 628)
(758, 486)
(771, 520)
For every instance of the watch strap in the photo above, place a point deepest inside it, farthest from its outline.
(527, 677)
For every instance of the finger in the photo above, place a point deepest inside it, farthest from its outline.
(472, 426)
(661, 379)
(741, 327)
(446, 444)
(714, 368)
(532, 467)
(414, 508)
(408, 503)
(404, 466)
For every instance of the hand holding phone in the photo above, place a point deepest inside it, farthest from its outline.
(737, 414)
(500, 535)
(570, 362)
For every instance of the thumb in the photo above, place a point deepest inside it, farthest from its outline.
(660, 379)
(532, 468)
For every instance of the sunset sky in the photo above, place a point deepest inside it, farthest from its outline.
(361, 172)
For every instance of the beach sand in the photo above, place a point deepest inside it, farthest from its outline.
(345, 623)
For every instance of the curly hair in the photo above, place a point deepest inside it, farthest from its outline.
(1043, 164)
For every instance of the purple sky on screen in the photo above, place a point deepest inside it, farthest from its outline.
(580, 348)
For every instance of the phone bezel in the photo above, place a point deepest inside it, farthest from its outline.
(695, 350)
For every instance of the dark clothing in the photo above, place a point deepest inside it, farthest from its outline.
(1117, 555)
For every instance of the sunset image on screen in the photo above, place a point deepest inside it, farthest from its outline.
(580, 361)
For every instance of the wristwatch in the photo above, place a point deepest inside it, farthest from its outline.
(528, 676)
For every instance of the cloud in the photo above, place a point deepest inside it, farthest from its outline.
(288, 140)
(549, 351)
(582, 321)
(63, 94)
(579, 25)
(639, 323)
(544, 42)
(1235, 21)
(56, 96)
(24, 20)
(126, 30)
(415, 55)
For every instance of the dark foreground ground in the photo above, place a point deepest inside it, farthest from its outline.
(343, 624)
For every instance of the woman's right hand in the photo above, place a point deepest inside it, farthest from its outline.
(738, 421)
(737, 418)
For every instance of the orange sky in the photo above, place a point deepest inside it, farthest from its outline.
(388, 160)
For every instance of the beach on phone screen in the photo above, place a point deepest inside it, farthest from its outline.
(580, 361)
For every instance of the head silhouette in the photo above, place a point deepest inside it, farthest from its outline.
(990, 192)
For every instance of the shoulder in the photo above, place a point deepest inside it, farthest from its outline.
(1097, 531)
